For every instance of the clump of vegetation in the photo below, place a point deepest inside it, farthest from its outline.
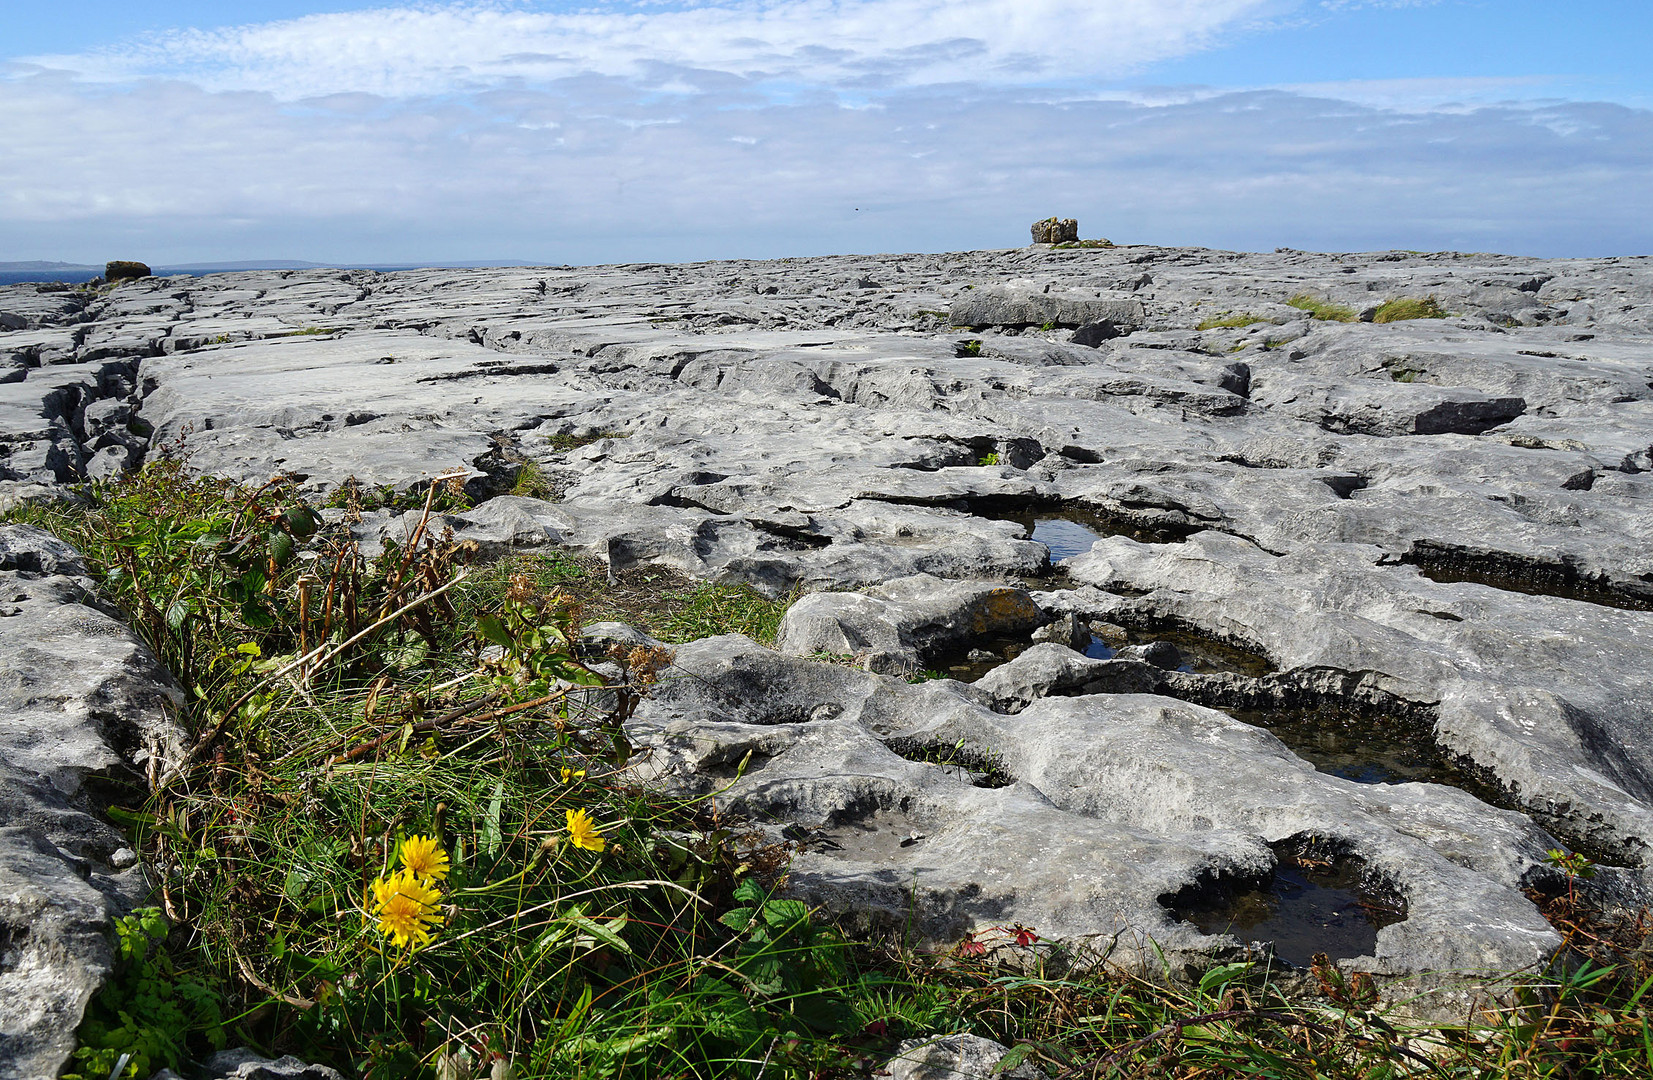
(533, 483)
(1226, 321)
(1401, 310)
(404, 842)
(1324, 310)
(968, 348)
(444, 496)
(990, 458)
(1073, 245)
(707, 610)
(152, 1012)
(564, 443)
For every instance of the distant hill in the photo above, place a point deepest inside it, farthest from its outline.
(42, 267)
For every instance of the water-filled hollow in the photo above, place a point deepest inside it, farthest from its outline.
(1316, 900)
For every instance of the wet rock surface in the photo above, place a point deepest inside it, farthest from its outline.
(1252, 515)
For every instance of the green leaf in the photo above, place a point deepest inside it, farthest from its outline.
(785, 914)
(256, 614)
(606, 933)
(303, 521)
(750, 892)
(1017, 1054)
(1218, 977)
(738, 919)
(494, 630)
(178, 613)
(490, 821)
(281, 547)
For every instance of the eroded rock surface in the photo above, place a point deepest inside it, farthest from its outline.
(84, 716)
(1443, 523)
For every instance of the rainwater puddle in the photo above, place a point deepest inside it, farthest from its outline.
(985, 654)
(1200, 655)
(1064, 538)
(881, 836)
(1307, 905)
(1365, 747)
(1068, 531)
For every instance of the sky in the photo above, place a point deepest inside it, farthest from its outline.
(179, 131)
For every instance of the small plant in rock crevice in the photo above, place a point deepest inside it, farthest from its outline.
(1323, 310)
(1401, 310)
(1226, 321)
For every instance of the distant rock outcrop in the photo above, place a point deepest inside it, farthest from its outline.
(122, 270)
(1056, 231)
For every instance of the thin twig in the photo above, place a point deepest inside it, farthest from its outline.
(432, 724)
(212, 734)
(285, 998)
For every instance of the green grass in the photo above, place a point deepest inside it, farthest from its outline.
(1401, 310)
(1324, 310)
(564, 443)
(1230, 322)
(469, 717)
(533, 483)
(709, 610)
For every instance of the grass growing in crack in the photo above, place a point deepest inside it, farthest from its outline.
(564, 443)
(586, 926)
(1229, 322)
(1324, 310)
(709, 610)
(1401, 310)
(533, 483)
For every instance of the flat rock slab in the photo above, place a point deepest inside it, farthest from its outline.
(1448, 519)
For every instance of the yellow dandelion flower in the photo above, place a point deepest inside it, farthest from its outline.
(406, 908)
(423, 857)
(569, 775)
(583, 832)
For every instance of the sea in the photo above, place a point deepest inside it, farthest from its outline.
(80, 277)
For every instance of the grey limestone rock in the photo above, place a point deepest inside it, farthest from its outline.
(54, 952)
(1027, 304)
(1448, 519)
(901, 624)
(85, 711)
(243, 1064)
(923, 806)
(953, 1057)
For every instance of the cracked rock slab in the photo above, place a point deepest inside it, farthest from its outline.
(1106, 806)
(85, 715)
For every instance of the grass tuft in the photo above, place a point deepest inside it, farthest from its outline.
(1230, 322)
(1401, 310)
(1324, 310)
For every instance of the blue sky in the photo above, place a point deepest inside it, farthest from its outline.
(193, 131)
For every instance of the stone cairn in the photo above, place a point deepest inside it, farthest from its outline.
(1056, 231)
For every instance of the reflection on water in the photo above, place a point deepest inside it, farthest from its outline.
(1064, 538)
(1305, 907)
(1362, 746)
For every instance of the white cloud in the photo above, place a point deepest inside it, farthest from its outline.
(774, 127)
(587, 172)
(868, 44)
